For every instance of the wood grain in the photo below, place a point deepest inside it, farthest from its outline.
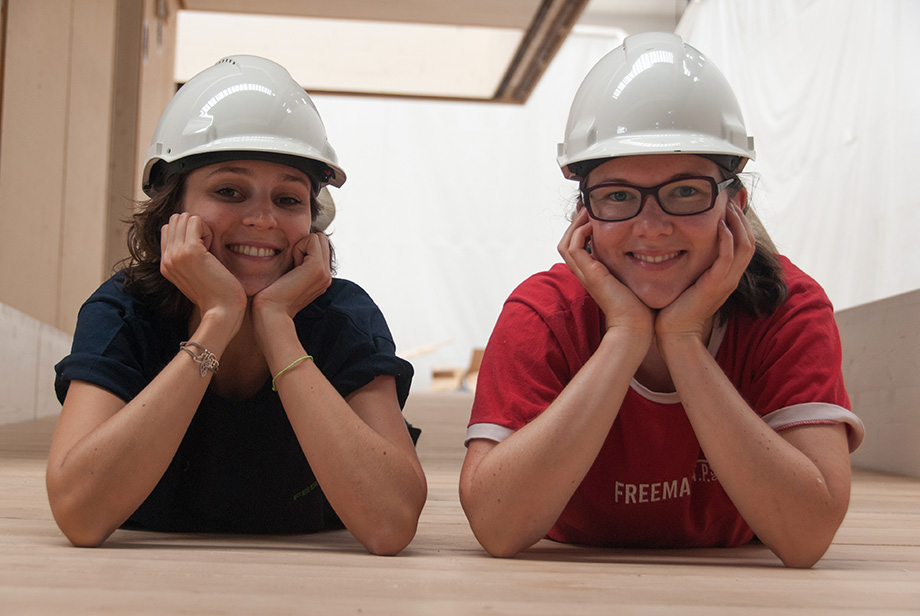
(872, 568)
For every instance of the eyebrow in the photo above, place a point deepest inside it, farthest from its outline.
(287, 177)
(674, 178)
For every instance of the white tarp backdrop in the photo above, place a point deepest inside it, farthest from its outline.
(831, 94)
(448, 206)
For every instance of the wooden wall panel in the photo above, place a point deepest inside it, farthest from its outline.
(157, 82)
(88, 139)
(73, 76)
(881, 366)
(34, 127)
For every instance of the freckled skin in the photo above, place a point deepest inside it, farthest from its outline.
(654, 233)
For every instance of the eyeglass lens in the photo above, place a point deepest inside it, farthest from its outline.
(682, 197)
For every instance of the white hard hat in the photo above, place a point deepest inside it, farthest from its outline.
(326, 212)
(654, 94)
(242, 107)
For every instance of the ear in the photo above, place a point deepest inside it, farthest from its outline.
(741, 198)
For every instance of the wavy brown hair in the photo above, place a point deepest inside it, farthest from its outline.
(141, 270)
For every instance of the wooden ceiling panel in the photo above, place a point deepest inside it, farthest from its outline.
(488, 13)
(543, 26)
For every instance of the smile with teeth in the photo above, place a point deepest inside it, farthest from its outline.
(252, 251)
(656, 258)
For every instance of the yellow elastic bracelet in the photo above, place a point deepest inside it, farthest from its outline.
(293, 363)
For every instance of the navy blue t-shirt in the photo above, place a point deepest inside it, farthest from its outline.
(239, 468)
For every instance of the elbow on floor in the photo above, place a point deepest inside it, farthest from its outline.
(390, 538)
(798, 557)
(81, 535)
(800, 563)
(389, 542)
(84, 537)
(503, 551)
(501, 545)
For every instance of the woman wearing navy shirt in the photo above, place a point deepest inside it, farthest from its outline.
(224, 380)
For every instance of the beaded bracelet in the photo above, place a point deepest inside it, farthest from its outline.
(206, 359)
(292, 364)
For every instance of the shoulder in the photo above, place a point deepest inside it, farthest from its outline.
(345, 301)
(112, 290)
(552, 304)
(801, 286)
(548, 328)
(554, 291)
(112, 296)
(349, 339)
(792, 357)
(805, 300)
(111, 306)
(806, 304)
(343, 293)
(120, 343)
(344, 317)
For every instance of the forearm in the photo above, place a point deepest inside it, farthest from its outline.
(514, 494)
(99, 474)
(374, 482)
(783, 495)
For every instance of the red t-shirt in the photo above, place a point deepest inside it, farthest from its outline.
(650, 484)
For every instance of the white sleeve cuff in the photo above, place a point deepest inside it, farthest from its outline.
(818, 413)
(488, 431)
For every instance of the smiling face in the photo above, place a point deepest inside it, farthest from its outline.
(257, 211)
(657, 255)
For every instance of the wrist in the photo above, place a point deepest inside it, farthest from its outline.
(275, 334)
(216, 328)
(634, 341)
(675, 345)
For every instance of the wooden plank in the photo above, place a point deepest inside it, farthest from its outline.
(872, 568)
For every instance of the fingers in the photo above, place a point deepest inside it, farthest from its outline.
(324, 246)
(312, 245)
(621, 307)
(185, 229)
(736, 244)
(742, 229)
(173, 237)
(184, 245)
(572, 245)
(579, 221)
(185, 260)
(737, 241)
(301, 250)
(309, 278)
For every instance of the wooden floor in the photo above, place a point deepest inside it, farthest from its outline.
(872, 568)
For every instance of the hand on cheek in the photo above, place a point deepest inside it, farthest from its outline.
(619, 304)
(307, 280)
(692, 311)
(186, 261)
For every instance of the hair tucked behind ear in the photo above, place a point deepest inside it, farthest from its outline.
(142, 268)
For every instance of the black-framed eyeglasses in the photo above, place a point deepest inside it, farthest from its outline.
(616, 201)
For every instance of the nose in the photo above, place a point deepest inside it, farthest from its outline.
(260, 212)
(652, 220)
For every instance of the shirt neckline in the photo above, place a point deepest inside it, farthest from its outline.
(715, 341)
